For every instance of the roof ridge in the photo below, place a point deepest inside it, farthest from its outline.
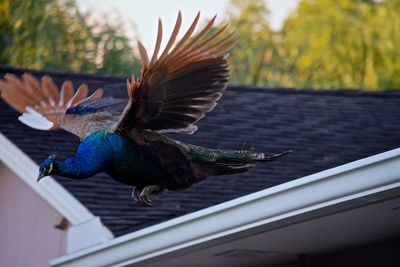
(319, 91)
(235, 87)
(6, 68)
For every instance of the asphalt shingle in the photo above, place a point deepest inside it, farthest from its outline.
(325, 128)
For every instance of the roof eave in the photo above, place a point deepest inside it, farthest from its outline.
(344, 185)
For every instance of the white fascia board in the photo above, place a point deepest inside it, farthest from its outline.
(51, 191)
(87, 234)
(332, 187)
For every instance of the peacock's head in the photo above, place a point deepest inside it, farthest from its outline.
(46, 168)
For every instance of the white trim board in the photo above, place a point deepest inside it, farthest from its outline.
(353, 183)
(56, 195)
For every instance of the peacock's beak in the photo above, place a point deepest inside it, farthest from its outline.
(40, 176)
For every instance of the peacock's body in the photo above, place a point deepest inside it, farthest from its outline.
(124, 137)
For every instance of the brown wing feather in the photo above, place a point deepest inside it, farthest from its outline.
(67, 92)
(33, 84)
(177, 88)
(51, 90)
(42, 104)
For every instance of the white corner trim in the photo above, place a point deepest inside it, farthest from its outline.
(86, 235)
(355, 181)
(50, 190)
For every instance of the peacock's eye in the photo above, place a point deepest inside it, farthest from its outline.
(49, 168)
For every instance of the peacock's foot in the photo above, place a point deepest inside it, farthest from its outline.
(144, 196)
(136, 193)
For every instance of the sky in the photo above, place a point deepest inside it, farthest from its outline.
(145, 13)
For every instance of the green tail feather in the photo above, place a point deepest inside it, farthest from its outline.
(230, 161)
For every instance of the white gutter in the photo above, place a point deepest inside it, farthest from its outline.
(58, 197)
(354, 181)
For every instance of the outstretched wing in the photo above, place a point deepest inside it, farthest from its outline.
(178, 87)
(45, 107)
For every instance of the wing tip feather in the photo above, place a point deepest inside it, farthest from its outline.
(143, 54)
(178, 53)
(35, 120)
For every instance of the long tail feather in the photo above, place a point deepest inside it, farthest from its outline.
(230, 161)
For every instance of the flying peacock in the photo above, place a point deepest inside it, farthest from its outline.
(124, 137)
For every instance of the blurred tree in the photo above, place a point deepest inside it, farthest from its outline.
(258, 56)
(48, 34)
(324, 44)
(5, 29)
(253, 45)
(344, 44)
(115, 51)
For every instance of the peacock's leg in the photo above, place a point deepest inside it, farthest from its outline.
(148, 193)
(143, 196)
(136, 193)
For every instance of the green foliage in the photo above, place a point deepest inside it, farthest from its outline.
(117, 55)
(324, 44)
(346, 43)
(254, 40)
(46, 34)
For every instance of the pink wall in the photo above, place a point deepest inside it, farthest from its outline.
(27, 233)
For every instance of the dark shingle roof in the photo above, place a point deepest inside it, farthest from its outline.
(326, 128)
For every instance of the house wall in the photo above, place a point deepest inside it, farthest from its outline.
(28, 236)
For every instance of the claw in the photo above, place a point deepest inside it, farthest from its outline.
(143, 203)
(143, 196)
(136, 193)
(147, 199)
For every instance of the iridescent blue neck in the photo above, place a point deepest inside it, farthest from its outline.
(94, 155)
(76, 167)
